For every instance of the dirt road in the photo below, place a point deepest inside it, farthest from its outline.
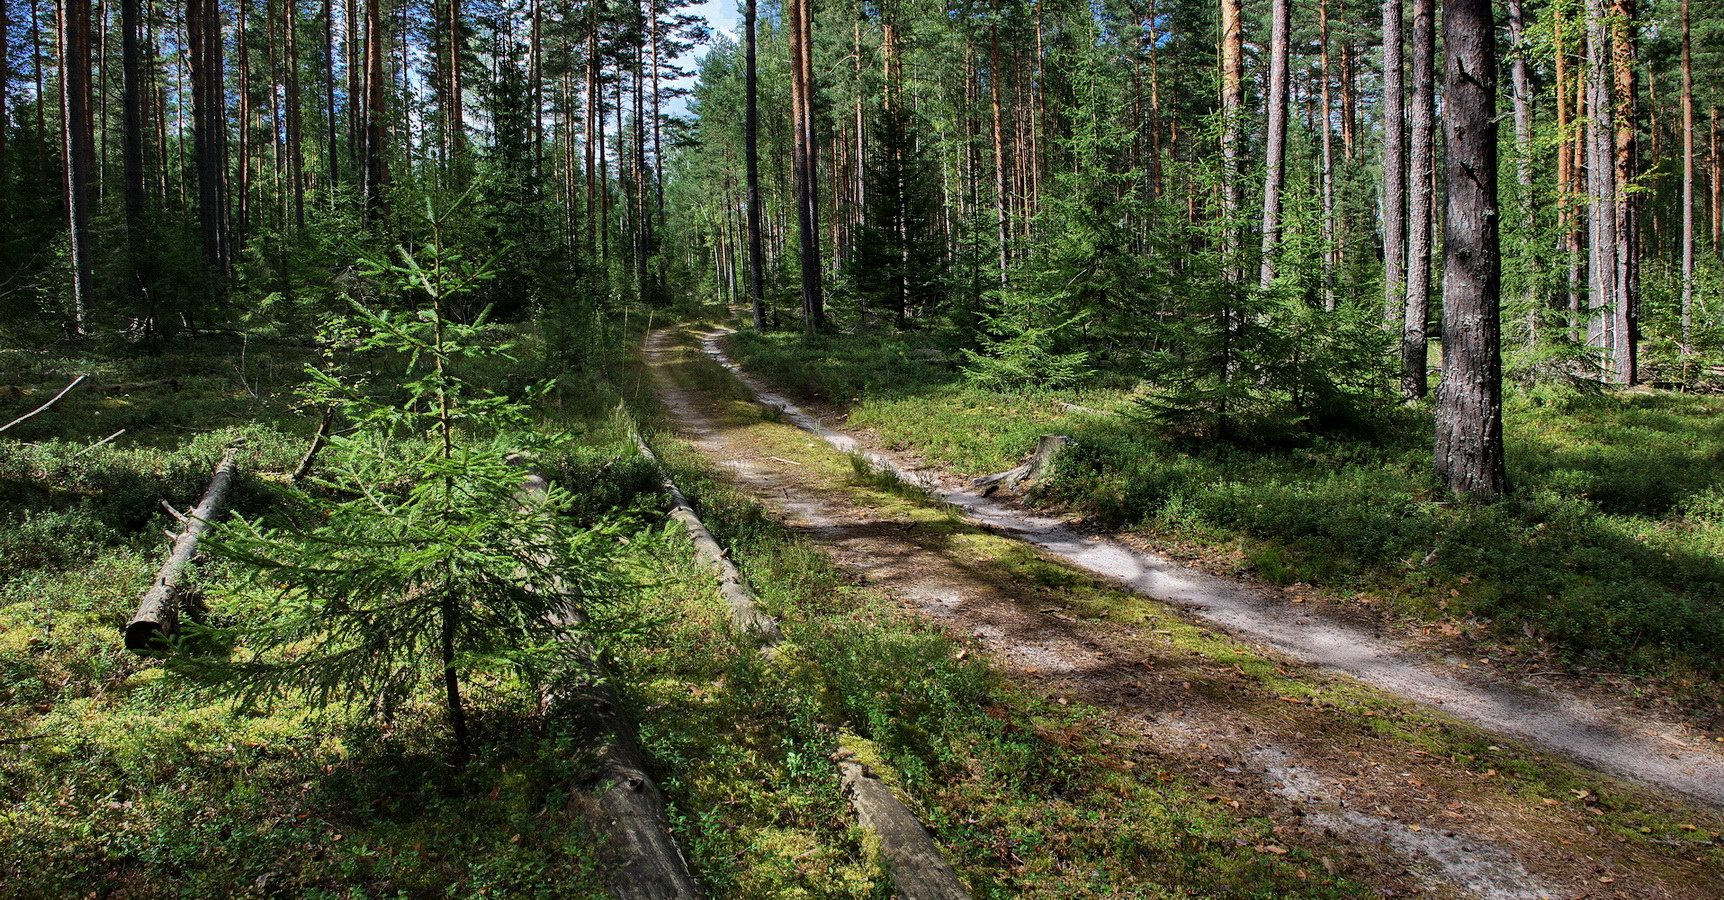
(1411, 768)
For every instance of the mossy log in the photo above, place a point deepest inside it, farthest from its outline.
(745, 613)
(640, 859)
(917, 868)
(919, 871)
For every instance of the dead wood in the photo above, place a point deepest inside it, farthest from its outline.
(1040, 462)
(914, 861)
(641, 860)
(51, 401)
(745, 613)
(317, 442)
(918, 870)
(159, 612)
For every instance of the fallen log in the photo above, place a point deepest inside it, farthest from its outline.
(640, 859)
(1041, 461)
(745, 613)
(158, 612)
(912, 859)
(918, 870)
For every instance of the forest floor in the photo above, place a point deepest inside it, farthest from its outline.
(1357, 775)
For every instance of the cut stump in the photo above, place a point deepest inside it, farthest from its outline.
(1049, 447)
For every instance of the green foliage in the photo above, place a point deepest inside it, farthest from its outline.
(899, 265)
(426, 554)
(1241, 363)
(1608, 553)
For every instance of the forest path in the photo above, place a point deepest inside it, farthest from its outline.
(1277, 726)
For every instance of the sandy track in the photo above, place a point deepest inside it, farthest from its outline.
(1399, 813)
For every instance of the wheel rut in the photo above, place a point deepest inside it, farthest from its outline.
(1356, 784)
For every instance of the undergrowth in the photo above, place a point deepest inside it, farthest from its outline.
(1607, 555)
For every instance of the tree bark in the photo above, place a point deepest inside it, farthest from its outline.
(1330, 247)
(209, 132)
(1567, 215)
(1275, 142)
(1687, 345)
(1601, 185)
(1420, 206)
(1232, 108)
(751, 162)
(244, 117)
(1521, 85)
(5, 79)
(294, 125)
(1625, 316)
(1717, 170)
(329, 98)
(454, 113)
(376, 166)
(132, 149)
(77, 144)
(919, 871)
(994, 75)
(41, 93)
(159, 610)
(1469, 440)
(1394, 170)
(807, 186)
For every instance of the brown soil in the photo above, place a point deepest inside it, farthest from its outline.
(1362, 763)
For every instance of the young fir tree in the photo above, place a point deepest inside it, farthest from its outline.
(899, 265)
(1084, 277)
(427, 559)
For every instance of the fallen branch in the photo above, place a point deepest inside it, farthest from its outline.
(641, 860)
(317, 442)
(159, 612)
(97, 444)
(55, 399)
(1041, 461)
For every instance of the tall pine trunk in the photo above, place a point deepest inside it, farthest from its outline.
(132, 149)
(1625, 315)
(454, 112)
(1420, 205)
(1601, 184)
(1394, 169)
(1568, 216)
(295, 130)
(994, 75)
(209, 134)
(751, 163)
(1328, 171)
(329, 98)
(1687, 346)
(1521, 86)
(376, 112)
(5, 87)
(807, 183)
(1275, 143)
(1469, 438)
(77, 145)
(1232, 108)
